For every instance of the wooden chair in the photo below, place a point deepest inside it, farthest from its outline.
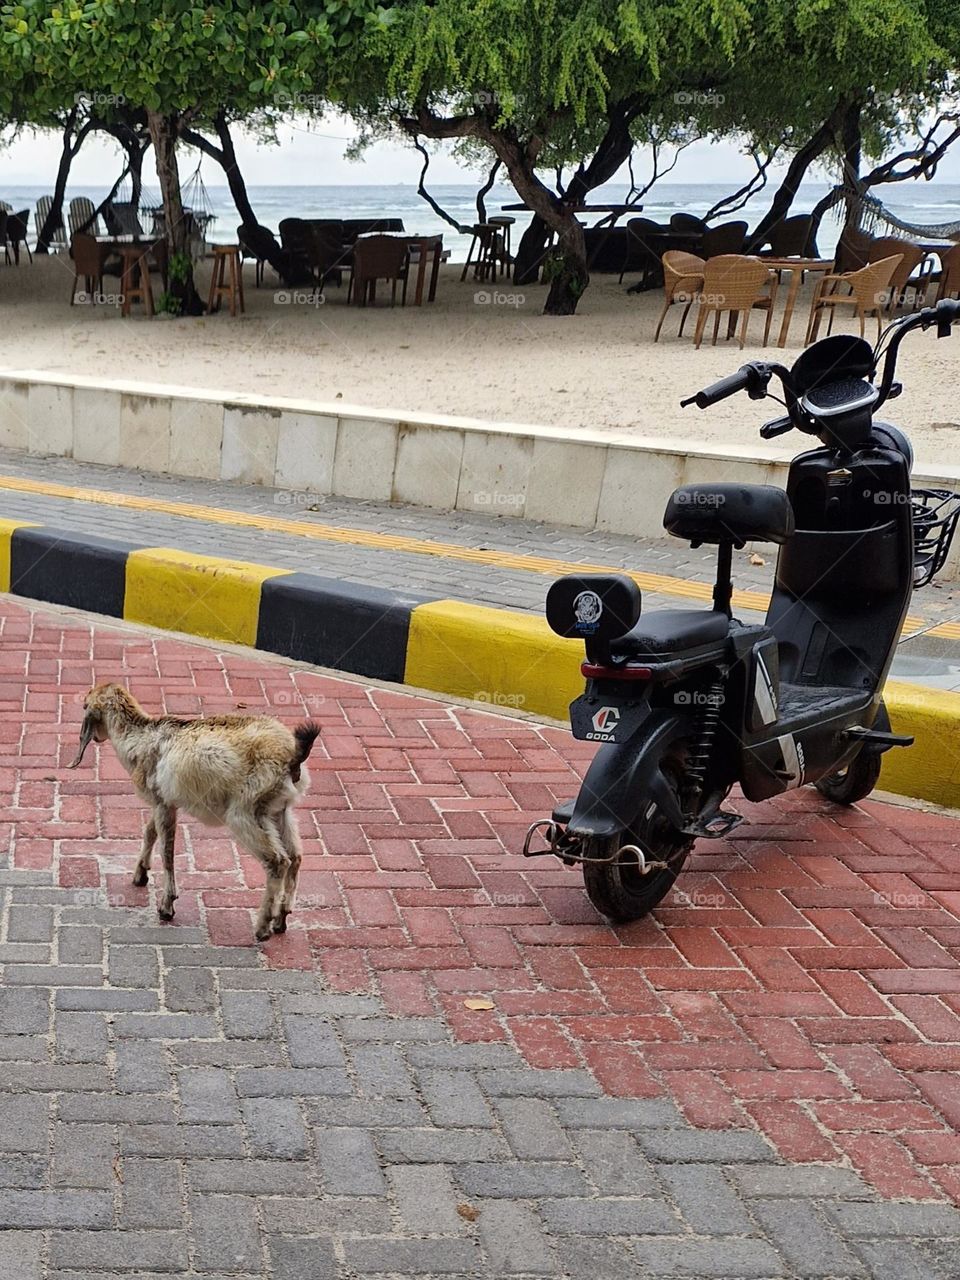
(868, 295)
(83, 217)
(735, 284)
(227, 279)
(91, 261)
(58, 241)
(912, 258)
(948, 277)
(15, 235)
(682, 281)
(728, 237)
(378, 258)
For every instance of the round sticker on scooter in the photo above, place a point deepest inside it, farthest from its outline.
(587, 608)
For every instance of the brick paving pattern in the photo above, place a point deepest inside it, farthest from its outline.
(757, 1082)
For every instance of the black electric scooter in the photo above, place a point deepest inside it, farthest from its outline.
(687, 703)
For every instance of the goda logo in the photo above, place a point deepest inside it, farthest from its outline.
(605, 723)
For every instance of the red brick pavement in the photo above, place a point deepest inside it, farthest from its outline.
(803, 978)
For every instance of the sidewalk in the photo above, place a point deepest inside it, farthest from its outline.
(475, 557)
(757, 1082)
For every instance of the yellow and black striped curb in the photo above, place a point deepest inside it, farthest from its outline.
(494, 656)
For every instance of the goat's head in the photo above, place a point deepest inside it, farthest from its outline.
(103, 703)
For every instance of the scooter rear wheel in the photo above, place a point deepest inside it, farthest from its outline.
(618, 889)
(853, 783)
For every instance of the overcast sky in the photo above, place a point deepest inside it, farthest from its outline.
(316, 156)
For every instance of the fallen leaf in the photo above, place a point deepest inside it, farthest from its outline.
(239, 704)
(117, 1169)
(755, 559)
(468, 1211)
(474, 1003)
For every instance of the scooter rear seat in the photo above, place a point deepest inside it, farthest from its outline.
(669, 630)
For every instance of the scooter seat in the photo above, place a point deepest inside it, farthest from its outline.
(670, 630)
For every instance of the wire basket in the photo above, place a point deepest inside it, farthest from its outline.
(935, 516)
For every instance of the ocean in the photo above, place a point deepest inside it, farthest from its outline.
(928, 202)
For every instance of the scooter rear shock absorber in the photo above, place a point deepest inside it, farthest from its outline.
(700, 754)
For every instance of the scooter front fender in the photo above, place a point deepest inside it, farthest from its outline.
(625, 778)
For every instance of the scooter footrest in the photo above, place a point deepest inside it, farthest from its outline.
(713, 828)
(879, 738)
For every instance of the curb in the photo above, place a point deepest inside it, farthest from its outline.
(474, 652)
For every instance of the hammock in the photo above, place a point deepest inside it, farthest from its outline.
(872, 213)
(198, 214)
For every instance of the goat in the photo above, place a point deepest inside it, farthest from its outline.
(245, 772)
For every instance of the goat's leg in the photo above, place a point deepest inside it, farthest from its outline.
(290, 838)
(166, 817)
(140, 872)
(263, 841)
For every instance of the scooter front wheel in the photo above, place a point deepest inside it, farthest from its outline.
(853, 783)
(619, 889)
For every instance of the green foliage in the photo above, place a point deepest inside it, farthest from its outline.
(168, 304)
(179, 268)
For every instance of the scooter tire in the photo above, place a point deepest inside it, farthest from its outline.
(618, 890)
(853, 783)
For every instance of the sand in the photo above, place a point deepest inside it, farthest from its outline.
(480, 350)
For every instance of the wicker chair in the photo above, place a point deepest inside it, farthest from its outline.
(682, 281)
(868, 295)
(376, 258)
(948, 277)
(912, 258)
(728, 237)
(789, 238)
(853, 251)
(737, 285)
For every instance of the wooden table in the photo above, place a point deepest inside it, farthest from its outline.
(618, 210)
(135, 274)
(796, 267)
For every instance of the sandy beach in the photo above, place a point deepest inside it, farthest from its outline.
(479, 350)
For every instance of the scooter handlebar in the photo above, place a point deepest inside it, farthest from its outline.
(728, 386)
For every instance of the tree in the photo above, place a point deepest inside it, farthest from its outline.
(540, 83)
(178, 63)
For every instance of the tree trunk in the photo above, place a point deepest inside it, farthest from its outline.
(163, 135)
(71, 145)
(238, 188)
(852, 151)
(530, 252)
(786, 193)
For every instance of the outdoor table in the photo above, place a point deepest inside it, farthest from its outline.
(135, 275)
(796, 267)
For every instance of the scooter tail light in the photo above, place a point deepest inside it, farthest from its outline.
(597, 671)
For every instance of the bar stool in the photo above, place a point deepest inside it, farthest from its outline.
(220, 286)
(487, 239)
(135, 279)
(506, 257)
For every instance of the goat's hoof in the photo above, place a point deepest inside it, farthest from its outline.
(280, 924)
(165, 913)
(140, 877)
(264, 931)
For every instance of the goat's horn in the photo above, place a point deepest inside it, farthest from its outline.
(86, 735)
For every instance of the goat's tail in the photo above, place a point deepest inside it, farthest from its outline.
(306, 735)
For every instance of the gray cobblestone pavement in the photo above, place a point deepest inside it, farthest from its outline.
(927, 659)
(168, 1107)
